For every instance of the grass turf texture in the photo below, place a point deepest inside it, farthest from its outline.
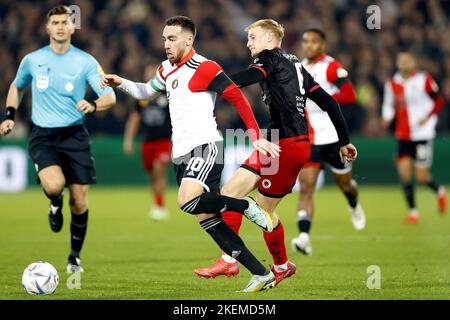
(128, 256)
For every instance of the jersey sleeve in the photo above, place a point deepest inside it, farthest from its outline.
(158, 83)
(94, 76)
(432, 89)
(23, 77)
(337, 75)
(265, 62)
(205, 74)
(388, 107)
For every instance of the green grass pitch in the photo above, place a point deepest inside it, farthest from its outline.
(128, 256)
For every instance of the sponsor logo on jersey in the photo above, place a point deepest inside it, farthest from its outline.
(175, 84)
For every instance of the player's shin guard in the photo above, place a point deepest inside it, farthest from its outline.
(78, 229)
(232, 244)
(212, 202)
(408, 189)
(233, 220)
(275, 244)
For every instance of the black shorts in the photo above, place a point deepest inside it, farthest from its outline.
(204, 164)
(420, 151)
(66, 147)
(328, 153)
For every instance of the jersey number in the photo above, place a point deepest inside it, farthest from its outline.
(298, 68)
(195, 164)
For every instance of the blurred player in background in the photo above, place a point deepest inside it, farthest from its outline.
(156, 145)
(191, 83)
(333, 78)
(412, 98)
(286, 85)
(59, 142)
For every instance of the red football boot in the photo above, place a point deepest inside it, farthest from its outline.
(279, 276)
(219, 268)
(412, 219)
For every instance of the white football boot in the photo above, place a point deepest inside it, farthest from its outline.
(358, 217)
(302, 243)
(159, 213)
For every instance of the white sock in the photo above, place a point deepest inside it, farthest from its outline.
(281, 267)
(228, 259)
(414, 212)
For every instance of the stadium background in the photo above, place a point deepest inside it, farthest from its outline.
(125, 36)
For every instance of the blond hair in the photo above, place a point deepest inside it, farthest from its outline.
(270, 25)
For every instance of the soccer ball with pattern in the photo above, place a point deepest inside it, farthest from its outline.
(40, 278)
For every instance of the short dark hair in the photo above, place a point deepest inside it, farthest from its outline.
(318, 31)
(185, 23)
(59, 10)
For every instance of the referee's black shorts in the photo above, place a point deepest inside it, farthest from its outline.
(66, 147)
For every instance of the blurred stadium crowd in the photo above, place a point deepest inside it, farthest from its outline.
(125, 36)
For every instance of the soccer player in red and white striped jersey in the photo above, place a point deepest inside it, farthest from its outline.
(191, 83)
(412, 97)
(333, 78)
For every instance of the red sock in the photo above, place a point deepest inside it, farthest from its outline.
(275, 243)
(233, 220)
(159, 200)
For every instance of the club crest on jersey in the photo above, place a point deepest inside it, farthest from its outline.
(175, 84)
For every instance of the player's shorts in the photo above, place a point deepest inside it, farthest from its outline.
(420, 151)
(331, 154)
(155, 150)
(66, 147)
(278, 175)
(204, 164)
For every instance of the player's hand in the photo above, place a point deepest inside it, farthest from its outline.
(85, 106)
(423, 121)
(128, 147)
(6, 127)
(267, 148)
(349, 153)
(110, 80)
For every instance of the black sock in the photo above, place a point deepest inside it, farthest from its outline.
(211, 202)
(352, 199)
(433, 185)
(56, 201)
(408, 189)
(78, 232)
(232, 244)
(304, 222)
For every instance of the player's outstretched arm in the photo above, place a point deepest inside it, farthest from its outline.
(12, 103)
(247, 77)
(138, 90)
